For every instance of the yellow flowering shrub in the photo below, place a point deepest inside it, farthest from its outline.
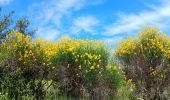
(82, 62)
(78, 67)
(28, 63)
(146, 60)
(33, 55)
(44, 50)
(126, 49)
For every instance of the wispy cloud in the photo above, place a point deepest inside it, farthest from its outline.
(158, 15)
(53, 11)
(2, 2)
(56, 17)
(112, 41)
(56, 12)
(84, 24)
(48, 15)
(48, 33)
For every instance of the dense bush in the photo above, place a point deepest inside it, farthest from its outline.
(85, 69)
(73, 67)
(145, 60)
(81, 68)
(25, 66)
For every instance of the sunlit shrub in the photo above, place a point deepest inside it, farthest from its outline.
(80, 64)
(75, 67)
(145, 62)
(11, 81)
(26, 66)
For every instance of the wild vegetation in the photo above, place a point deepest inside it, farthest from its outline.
(85, 69)
(145, 61)
(77, 69)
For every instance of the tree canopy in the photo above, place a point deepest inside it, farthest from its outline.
(7, 23)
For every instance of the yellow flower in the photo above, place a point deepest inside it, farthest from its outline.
(89, 62)
(129, 81)
(90, 56)
(27, 39)
(114, 68)
(20, 59)
(92, 67)
(71, 49)
(84, 61)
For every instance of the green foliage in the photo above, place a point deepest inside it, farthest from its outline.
(80, 64)
(7, 24)
(84, 69)
(73, 68)
(23, 71)
(145, 62)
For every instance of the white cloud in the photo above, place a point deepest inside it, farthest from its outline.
(53, 11)
(112, 41)
(48, 33)
(128, 23)
(2, 2)
(84, 24)
(56, 12)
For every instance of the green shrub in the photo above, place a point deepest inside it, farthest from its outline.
(81, 68)
(70, 68)
(26, 68)
(145, 60)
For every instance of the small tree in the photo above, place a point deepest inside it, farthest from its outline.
(7, 24)
(145, 60)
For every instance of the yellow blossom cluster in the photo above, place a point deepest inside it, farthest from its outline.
(126, 47)
(49, 47)
(149, 43)
(89, 56)
(27, 52)
(150, 48)
(86, 55)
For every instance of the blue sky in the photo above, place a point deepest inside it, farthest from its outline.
(109, 20)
